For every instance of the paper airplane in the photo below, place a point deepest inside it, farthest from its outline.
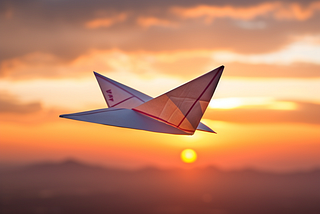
(178, 111)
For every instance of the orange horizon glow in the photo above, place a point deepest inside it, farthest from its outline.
(249, 102)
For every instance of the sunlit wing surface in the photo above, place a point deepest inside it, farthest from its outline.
(178, 111)
(184, 106)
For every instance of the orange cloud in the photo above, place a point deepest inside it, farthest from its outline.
(277, 10)
(10, 104)
(31, 65)
(294, 70)
(187, 62)
(296, 11)
(16, 111)
(43, 65)
(211, 12)
(105, 22)
(154, 21)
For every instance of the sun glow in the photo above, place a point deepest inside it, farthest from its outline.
(188, 156)
(252, 102)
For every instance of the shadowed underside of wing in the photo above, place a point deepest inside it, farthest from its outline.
(184, 106)
(126, 118)
(203, 127)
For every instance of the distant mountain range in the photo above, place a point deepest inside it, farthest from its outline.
(75, 187)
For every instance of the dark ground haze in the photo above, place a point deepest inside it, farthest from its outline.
(72, 187)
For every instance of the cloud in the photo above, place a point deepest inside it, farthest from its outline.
(296, 11)
(14, 110)
(174, 63)
(153, 21)
(304, 51)
(61, 29)
(294, 70)
(31, 65)
(10, 104)
(105, 22)
(276, 10)
(210, 12)
(55, 39)
(43, 65)
(305, 113)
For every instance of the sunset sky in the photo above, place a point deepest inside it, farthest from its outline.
(266, 109)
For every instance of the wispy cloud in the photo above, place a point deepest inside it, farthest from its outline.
(12, 105)
(303, 50)
(154, 21)
(106, 22)
(276, 10)
(299, 60)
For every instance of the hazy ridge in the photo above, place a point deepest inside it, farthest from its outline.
(75, 187)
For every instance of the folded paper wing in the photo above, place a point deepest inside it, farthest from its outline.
(178, 111)
(184, 106)
(118, 95)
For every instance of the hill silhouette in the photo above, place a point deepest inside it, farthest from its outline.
(75, 187)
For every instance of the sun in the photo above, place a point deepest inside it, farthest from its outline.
(188, 156)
